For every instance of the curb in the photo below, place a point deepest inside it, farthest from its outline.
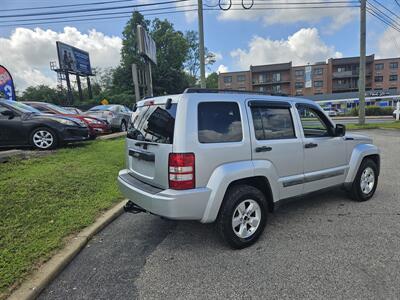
(33, 286)
(111, 136)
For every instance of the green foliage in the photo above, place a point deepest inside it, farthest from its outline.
(43, 93)
(43, 200)
(374, 111)
(212, 81)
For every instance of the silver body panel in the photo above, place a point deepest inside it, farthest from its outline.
(290, 168)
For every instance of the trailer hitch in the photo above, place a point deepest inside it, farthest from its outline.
(132, 208)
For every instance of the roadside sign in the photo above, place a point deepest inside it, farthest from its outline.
(73, 59)
(6, 84)
(104, 102)
(146, 44)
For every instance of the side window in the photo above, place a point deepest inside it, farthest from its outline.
(219, 122)
(3, 109)
(312, 123)
(272, 123)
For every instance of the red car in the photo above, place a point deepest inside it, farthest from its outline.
(96, 126)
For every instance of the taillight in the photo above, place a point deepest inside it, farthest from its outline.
(181, 171)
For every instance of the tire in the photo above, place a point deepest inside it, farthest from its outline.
(92, 137)
(43, 138)
(123, 126)
(366, 181)
(244, 233)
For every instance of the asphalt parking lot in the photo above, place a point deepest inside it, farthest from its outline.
(324, 246)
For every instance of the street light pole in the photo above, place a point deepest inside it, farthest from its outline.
(361, 80)
(201, 44)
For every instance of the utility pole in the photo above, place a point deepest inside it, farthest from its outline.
(201, 44)
(361, 80)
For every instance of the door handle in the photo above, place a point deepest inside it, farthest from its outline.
(310, 145)
(263, 149)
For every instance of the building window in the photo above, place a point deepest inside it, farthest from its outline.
(298, 93)
(341, 82)
(393, 65)
(393, 78)
(276, 88)
(228, 79)
(318, 71)
(318, 83)
(379, 67)
(241, 78)
(276, 77)
(393, 91)
(299, 85)
(318, 93)
(378, 78)
(262, 78)
(341, 69)
(299, 73)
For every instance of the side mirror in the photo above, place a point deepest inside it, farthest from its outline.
(340, 130)
(8, 113)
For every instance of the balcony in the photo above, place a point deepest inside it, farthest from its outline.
(269, 82)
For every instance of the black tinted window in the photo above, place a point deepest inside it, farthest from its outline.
(219, 122)
(272, 123)
(153, 123)
(313, 123)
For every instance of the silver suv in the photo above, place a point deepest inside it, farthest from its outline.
(231, 157)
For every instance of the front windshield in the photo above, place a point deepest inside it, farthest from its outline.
(58, 109)
(21, 107)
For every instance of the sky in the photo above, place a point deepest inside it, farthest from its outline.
(239, 38)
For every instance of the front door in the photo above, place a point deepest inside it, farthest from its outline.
(9, 127)
(324, 153)
(274, 139)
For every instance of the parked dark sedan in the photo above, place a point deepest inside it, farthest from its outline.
(22, 125)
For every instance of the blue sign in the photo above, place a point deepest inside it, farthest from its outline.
(73, 59)
(7, 90)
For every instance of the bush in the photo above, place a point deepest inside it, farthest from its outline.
(374, 111)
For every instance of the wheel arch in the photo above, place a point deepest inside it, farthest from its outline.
(38, 126)
(360, 153)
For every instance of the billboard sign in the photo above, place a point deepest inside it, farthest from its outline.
(308, 77)
(73, 59)
(146, 44)
(7, 90)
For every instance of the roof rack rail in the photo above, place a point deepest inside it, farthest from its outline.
(200, 90)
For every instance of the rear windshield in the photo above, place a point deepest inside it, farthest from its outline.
(153, 123)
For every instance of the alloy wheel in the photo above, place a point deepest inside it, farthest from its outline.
(43, 139)
(246, 218)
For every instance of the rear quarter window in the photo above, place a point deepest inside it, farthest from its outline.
(219, 122)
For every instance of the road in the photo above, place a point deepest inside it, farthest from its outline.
(324, 246)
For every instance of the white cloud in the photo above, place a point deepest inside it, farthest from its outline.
(27, 53)
(222, 69)
(338, 17)
(389, 44)
(304, 46)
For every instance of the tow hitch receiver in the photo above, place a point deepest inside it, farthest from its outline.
(132, 208)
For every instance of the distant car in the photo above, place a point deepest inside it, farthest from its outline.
(330, 112)
(96, 125)
(73, 110)
(118, 116)
(22, 125)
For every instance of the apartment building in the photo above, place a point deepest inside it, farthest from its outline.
(337, 75)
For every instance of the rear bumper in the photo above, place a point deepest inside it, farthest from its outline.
(172, 204)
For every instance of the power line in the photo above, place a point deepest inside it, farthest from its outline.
(90, 9)
(373, 13)
(378, 11)
(387, 9)
(101, 18)
(66, 5)
(99, 14)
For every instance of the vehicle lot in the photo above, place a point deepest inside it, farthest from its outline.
(324, 246)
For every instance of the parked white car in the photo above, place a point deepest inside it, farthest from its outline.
(230, 157)
(330, 112)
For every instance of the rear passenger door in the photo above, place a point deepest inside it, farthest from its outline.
(274, 138)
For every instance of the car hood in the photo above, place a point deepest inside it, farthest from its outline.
(359, 138)
(53, 117)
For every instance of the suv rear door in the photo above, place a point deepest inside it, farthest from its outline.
(149, 142)
(274, 138)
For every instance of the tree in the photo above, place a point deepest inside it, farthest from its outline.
(192, 63)
(169, 76)
(212, 81)
(43, 93)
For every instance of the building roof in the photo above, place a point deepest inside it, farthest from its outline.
(273, 67)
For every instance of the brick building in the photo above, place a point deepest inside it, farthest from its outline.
(337, 75)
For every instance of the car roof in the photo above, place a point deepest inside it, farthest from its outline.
(226, 95)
